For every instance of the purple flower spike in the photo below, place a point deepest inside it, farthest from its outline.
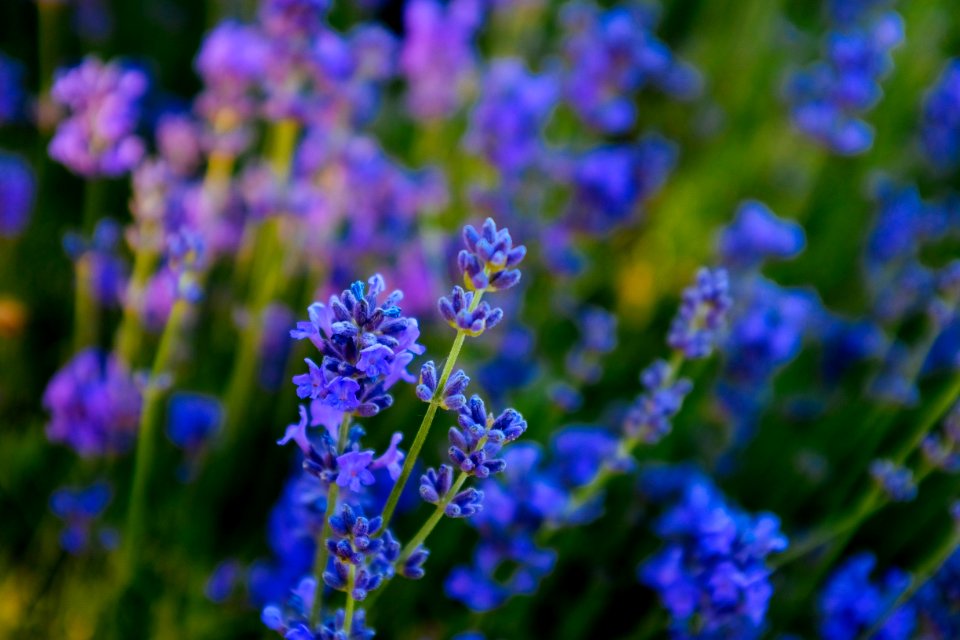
(98, 138)
(649, 417)
(452, 397)
(702, 314)
(489, 262)
(438, 58)
(366, 346)
(455, 309)
(895, 480)
(94, 405)
(507, 122)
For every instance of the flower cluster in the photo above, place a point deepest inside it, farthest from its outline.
(438, 58)
(230, 61)
(851, 603)
(489, 263)
(293, 620)
(360, 560)
(895, 480)
(701, 316)
(79, 509)
(648, 419)
(712, 574)
(940, 132)
(829, 98)
(101, 269)
(94, 405)
(473, 446)
(530, 496)
(612, 55)
(193, 419)
(611, 182)
(366, 347)
(942, 450)
(452, 397)
(756, 235)
(17, 192)
(507, 122)
(99, 136)
(598, 337)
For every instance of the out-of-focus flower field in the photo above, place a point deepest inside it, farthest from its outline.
(480, 319)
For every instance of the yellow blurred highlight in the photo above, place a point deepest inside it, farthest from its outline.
(13, 317)
(12, 592)
(636, 287)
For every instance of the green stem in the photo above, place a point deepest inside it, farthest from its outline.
(146, 442)
(348, 614)
(86, 310)
(626, 446)
(48, 23)
(426, 423)
(130, 332)
(873, 499)
(323, 555)
(421, 536)
(267, 273)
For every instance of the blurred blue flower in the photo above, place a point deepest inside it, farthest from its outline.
(851, 603)
(17, 194)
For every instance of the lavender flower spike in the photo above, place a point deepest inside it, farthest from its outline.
(702, 314)
(490, 259)
(98, 138)
(366, 346)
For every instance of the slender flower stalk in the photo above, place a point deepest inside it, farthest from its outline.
(424, 430)
(421, 536)
(323, 554)
(840, 531)
(147, 440)
(625, 448)
(351, 603)
(269, 269)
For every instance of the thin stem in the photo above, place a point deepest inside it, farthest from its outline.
(266, 273)
(86, 310)
(348, 614)
(873, 499)
(323, 555)
(421, 536)
(130, 332)
(426, 423)
(146, 441)
(625, 449)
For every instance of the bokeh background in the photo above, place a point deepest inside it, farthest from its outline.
(736, 139)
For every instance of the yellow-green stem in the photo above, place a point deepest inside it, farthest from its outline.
(426, 423)
(146, 442)
(625, 449)
(322, 555)
(86, 310)
(130, 332)
(348, 614)
(421, 536)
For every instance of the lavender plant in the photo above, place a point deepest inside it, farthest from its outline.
(176, 183)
